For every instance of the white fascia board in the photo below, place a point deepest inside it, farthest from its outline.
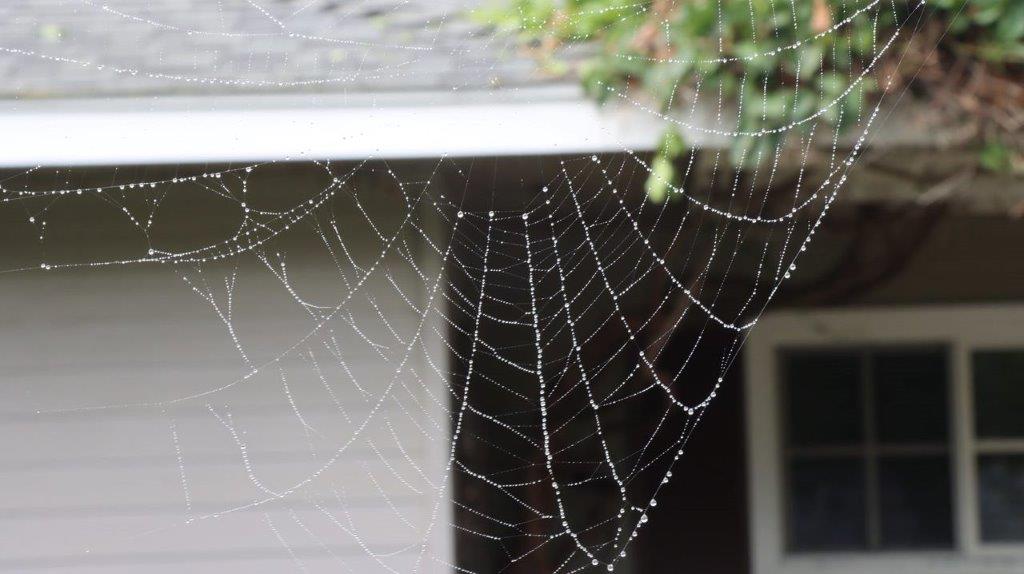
(400, 125)
(248, 129)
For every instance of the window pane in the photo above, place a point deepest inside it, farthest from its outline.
(826, 505)
(916, 510)
(999, 393)
(1001, 496)
(910, 392)
(823, 398)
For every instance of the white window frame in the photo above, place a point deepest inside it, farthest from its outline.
(962, 329)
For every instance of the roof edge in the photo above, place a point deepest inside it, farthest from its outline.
(137, 131)
(555, 119)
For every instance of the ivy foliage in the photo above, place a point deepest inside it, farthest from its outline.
(775, 62)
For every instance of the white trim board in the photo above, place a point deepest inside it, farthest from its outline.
(201, 130)
(960, 327)
(171, 129)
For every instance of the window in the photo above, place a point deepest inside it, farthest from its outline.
(867, 449)
(998, 384)
(887, 440)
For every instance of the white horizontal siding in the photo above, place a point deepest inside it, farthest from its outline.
(100, 490)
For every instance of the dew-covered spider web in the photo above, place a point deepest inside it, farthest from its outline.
(371, 365)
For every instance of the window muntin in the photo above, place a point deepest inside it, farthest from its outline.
(862, 427)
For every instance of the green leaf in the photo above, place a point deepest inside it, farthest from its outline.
(810, 60)
(672, 144)
(729, 48)
(996, 156)
(1011, 25)
(660, 178)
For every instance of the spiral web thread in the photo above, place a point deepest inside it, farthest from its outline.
(519, 297)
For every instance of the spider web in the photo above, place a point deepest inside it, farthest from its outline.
(517, 370)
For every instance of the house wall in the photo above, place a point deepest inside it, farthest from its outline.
(960, 258)
(952, 255)
(962, 286)
(101, 489)
(132, 440)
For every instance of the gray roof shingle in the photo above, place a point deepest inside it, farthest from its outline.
(94, 48)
